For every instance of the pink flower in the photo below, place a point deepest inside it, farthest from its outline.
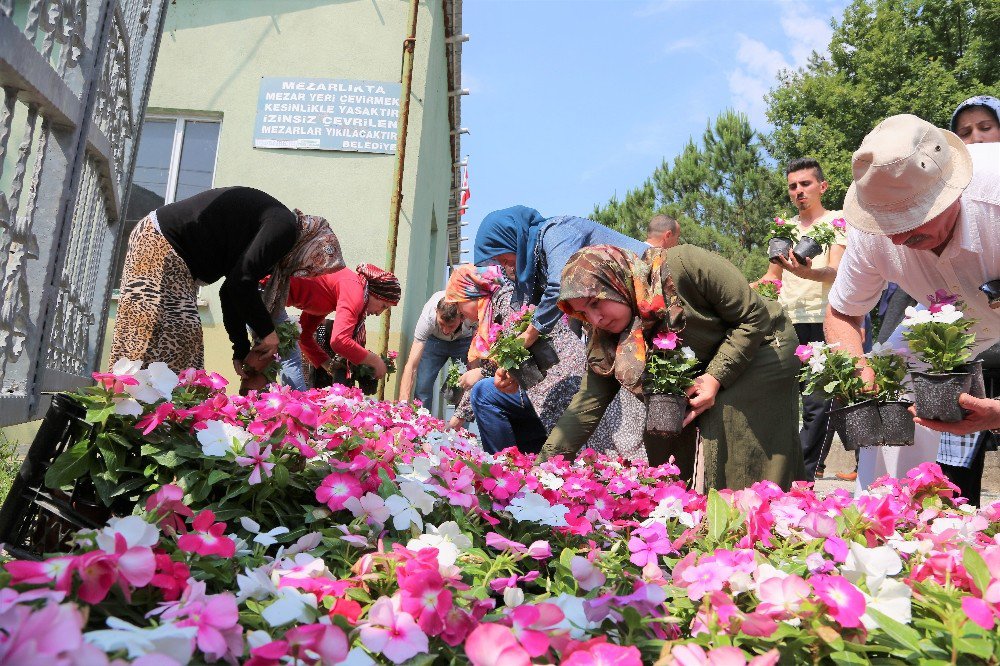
(804, 352)
(782, 597)
(530, 624)
(845, 602)
(311, 640)
(605, 654)
(49, 635)
(58, 570)
(779, 222)
(258, 459)
(216, 618)
(648, 543)
(587, 576)
(666, 340)
(839, 223)
(151, 421)
(495, 645)
(97, 574)
(207, 537)
(337, 488)
(168, 505)
(980, 611)
(392, 632)
(704, 578)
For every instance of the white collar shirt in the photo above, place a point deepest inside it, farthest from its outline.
(970, 259)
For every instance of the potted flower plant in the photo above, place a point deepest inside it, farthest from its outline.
(365, 374)
(941, 338)
(288, 336)
(768, 289)
(670, 370)
(889, 366)
(543, 350)
(819, 238)
(452, 391)
(781, 237)
(509, 353)
(834, 374)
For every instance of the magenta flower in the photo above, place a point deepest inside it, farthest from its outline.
(704, 578)
(940, 298)
(258, 459)
(648, 543)
(779, 221)
(328, 642)
(337, 488)
(804, 352)
(151, 421)
(666, 340)
(839, 223)
(495, 645)
(982, 612)
(207, 537)
(845, 602)
(167, 504)
(530, 624)
(392, 632)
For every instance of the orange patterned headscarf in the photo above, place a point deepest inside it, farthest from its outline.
(469, 283)
(642, 283)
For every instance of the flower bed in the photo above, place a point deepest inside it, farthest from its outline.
(325, 528)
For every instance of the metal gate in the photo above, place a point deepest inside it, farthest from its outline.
(74, 79)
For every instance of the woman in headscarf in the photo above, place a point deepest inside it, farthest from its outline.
(524, 418)
(533, 251)
(745, 403)
(352, 296)
(976, 120)
(237, 233)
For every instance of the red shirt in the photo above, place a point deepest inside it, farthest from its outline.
(342, 292)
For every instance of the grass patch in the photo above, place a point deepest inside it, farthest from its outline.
(9, 465)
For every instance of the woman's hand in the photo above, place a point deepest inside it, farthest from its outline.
(456, 423)
(701, 396)
(376, 362)
(263, 352)
(469, 378)
(530, 336)
(505, 381)
(241, 372)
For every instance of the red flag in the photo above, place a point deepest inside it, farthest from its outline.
(465, 192)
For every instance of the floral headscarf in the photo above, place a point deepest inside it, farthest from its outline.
(642, 283)
(469, 283)
(316, 252)
(380, 283)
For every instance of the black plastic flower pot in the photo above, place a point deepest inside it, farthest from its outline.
(977, 388)
(992, 291)
(806, 248)
(936, 394)
(368, 385)
(544, 353)
(897, 423)
(451, 394)
(528, 375)
(858, 425)
(665, 413)
(778, 247)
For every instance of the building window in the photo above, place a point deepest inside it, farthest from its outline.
(176, 160)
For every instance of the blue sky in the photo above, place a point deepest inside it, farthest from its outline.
(572, 101)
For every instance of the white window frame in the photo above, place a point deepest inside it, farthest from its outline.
(173, 174)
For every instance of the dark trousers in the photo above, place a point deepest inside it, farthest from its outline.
(970, 479)
(506, 419)
(815, 411)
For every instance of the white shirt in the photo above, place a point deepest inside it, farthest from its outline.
(970, 259)
(427, 324)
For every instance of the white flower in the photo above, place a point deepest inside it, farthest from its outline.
(915, 316)
(157, 382)
(263, 538)
(947, 314)
(550, 480)
(370, 506)
(885, 349)
(419, 469)
(891, 597)
(668, 508)
(137, 532)
(874, 564)
(447, 538)
(169, 640)
(532, 507)
(513, 597)
(256, 584)
(218, 437)
(357, 657)
(417, 496)
(291, 606)
(403, 513)
(124, 367)
(257, 638)
(688, 353)
(575, 618)
(305, 542)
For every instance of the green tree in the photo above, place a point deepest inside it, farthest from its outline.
(886, 57)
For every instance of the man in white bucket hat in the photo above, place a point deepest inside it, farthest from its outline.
(921, 219)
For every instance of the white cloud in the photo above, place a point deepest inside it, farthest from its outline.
(804, 30)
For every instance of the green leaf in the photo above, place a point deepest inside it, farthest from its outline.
(217, 475)
(717, 515)
(100, 415)
(902, 634)
(845, 657)
(976, 566)
(70, 465)
(280, 476)
(981, 647)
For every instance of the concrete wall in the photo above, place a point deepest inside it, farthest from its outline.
(211, 59)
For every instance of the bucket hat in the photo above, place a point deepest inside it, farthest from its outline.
(906, 172)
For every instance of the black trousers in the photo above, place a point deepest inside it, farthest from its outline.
(813, 436)
(970, 479)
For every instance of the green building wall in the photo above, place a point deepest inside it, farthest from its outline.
(211, 59)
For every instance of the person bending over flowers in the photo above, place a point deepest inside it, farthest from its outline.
(745, 402)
